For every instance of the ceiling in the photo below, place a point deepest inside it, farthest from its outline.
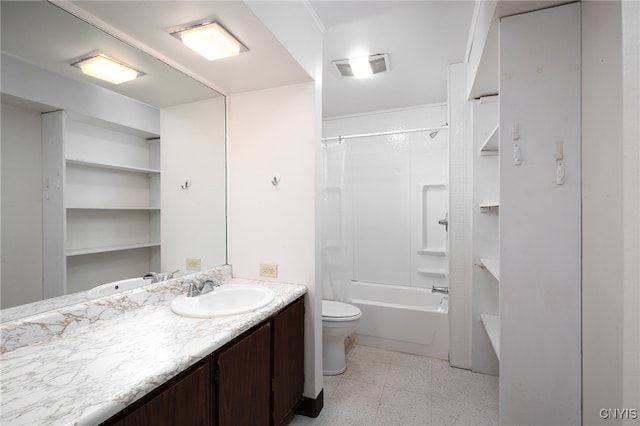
(421, 37)
(44, 34)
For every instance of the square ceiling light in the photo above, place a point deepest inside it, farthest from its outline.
(101, 66)
(363, 66)
(210, 40)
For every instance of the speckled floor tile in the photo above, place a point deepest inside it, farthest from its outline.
(387, 388)
(400, 407)
(366, 371)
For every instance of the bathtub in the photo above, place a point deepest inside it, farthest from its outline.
(406, 319)
(116, 287)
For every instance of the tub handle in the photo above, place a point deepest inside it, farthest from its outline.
(445, 222)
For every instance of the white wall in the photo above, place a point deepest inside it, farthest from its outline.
(610, 301)
(21, 231)
(540, 226)
(274, 131)
(631, 126)
(460, 195)
(602, 188)
(193, 220)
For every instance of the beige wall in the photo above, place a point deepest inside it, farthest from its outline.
(610, 209)
(21, 278)
(271, 132)
(193, 220)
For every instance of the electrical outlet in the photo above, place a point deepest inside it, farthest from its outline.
(268, 270)
(194, 264)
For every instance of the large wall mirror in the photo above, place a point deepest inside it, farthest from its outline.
(140, 166)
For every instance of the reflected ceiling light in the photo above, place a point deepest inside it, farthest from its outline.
(210, 40)
(363, 66)
(107, 69)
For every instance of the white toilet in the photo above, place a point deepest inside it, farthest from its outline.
(338, 321)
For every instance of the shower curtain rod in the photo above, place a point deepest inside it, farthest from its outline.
(392, 132)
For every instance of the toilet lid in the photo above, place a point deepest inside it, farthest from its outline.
(333, 309)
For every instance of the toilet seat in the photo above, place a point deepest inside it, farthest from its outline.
(338, 311)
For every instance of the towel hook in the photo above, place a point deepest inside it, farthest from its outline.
(186, 184)
(275, 180)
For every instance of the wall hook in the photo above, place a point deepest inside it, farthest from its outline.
(275, 180)
(186, 184)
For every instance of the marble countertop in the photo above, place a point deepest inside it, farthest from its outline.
(86, 375)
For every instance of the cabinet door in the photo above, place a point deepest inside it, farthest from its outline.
(186, 402)
(288, 361)
(244, 379)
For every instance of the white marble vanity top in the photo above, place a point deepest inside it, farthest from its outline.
(85, 375)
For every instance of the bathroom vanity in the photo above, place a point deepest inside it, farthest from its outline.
(128, 359)
(235, 384)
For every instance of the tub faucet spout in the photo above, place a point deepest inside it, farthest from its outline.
(154, 277)
(441, 290)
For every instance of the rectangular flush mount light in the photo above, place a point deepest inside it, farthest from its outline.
(102, 67)
(363, 66)
(210, 40)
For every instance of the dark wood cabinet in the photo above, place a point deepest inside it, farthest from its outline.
(288, 361)
(185, 401)
(256, 379)
(243, 376)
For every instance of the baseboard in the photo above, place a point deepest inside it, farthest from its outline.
(311, 407)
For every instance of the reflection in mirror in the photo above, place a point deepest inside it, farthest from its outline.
(92, 173)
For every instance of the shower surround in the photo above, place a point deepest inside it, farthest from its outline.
(383, 245)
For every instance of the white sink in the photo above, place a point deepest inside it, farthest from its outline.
(116, 287)
(224, 300)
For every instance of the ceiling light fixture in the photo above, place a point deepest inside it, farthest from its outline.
(363, 66)
(210, 40)
(107, 69)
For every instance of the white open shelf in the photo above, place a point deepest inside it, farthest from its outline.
(433, 252)
(94, 250)
(488, 207)
(492, 325)
(112, 166)
(435, 273)
(493, 266)
(490, 146)
(149, 208)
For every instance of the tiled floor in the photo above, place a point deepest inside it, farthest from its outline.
(389, 388)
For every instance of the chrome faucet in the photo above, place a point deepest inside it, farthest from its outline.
(169, 275)
(441, 290)
(207, 287)
(156, 278)
(153, 276)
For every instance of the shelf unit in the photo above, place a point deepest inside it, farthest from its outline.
(102, 193)
(490, 145)
(492, 327)
(489, 207)
(493, 266)
(485, 237)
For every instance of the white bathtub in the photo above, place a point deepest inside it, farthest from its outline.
(405, 319)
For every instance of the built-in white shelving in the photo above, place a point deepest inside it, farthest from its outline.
(493, 266)
(435, 273)
(95, 250)
(485, 236)
(492, 326)
(102, 195)
(433, 252)
(489, 207)
(143, 208)
(112, 166)
(490, 146)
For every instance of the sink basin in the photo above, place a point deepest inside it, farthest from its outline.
(116, 287)
(225, 300)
